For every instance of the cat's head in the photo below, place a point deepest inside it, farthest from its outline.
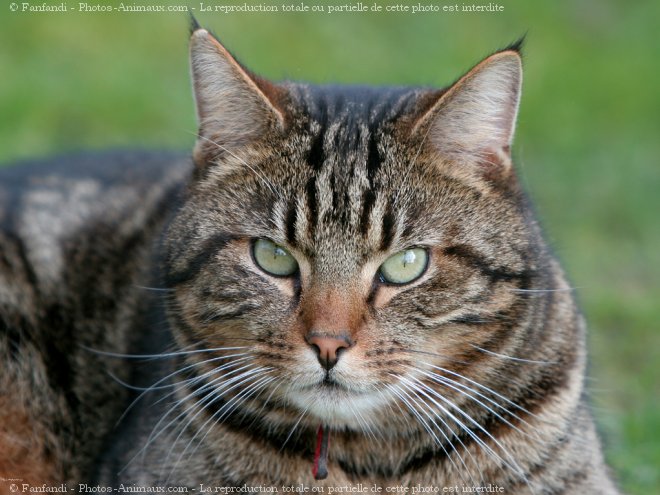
(339, 246)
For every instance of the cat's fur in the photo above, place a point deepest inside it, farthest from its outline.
(469, 376)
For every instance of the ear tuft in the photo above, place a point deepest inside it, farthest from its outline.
(194, 25)
(516, 46)
(474, 120)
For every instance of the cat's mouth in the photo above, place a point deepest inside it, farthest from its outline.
(330, 386)
(333, 386)
(330, 383)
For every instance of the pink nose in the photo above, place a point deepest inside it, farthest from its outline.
(328, 347)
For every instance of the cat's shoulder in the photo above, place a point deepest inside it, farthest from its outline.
(108, 171)
(84, 209)
(105, 187)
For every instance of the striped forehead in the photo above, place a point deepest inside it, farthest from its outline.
(344, 205)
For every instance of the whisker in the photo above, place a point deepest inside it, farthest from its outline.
(453, 385)
(262, 177)
(263, 406)
(155, 434)
(134, 387)
(155, 385)
(156, 289)
(198, 378)
(258, 413)
(511, 358)
(434, 354)
(200, 391)
(417, 391)
(404, 396)
(414, 160)
(388, 402)
(228, 408)
(543, 291)
(484, 387)
(513, 465)
(364, 424)
(201, 406)
(216, 393)
(158, 356)
(293, 429)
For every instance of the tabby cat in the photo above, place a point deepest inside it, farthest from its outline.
(348, 286)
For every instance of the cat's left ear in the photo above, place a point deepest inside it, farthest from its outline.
(235, 108)
(473, 122)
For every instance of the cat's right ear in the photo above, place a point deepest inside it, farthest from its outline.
(234, 108)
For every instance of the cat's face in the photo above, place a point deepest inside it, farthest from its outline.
(339, 247)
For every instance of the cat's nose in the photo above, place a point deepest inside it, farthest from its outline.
(328, 347)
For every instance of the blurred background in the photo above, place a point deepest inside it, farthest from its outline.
(587, 146)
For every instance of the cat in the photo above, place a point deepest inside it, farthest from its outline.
(347, 285)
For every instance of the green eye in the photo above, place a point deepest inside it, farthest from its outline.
(273, 259)
(404, 266)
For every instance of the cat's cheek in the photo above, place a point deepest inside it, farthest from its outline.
(287, 287)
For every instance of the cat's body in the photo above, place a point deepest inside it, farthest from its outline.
(77, 243)
(467, 371)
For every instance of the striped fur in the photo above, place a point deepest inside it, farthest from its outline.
(76, 235)
(471, 375)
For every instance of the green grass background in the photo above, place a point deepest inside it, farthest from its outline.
(587, 146)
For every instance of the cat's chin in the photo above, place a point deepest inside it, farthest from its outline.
(338, 406)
